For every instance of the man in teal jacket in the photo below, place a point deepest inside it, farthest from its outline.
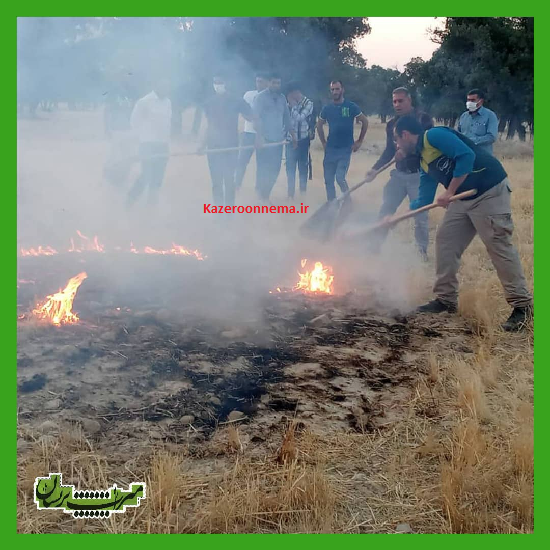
(449, 158)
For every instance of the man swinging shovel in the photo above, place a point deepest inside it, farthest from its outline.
(477, 199)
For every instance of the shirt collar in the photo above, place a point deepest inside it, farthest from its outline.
(480, 111)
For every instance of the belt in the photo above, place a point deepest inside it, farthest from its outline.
(408, 171)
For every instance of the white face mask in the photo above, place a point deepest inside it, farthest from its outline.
(471, 106)
(219, 88)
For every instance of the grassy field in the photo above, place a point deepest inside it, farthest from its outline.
(460, 458)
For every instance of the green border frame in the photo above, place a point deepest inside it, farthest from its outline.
(253, 8)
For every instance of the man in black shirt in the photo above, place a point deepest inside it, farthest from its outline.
(222, 114)
(405, 179)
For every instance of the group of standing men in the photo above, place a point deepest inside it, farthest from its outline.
(424, 156)
(275, 122)
(270, 119)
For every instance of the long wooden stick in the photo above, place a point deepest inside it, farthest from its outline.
(206, 151)
(361, 183)
(137, 158)
(342, 197)
(396, 219)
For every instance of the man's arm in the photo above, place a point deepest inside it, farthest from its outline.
(257, 121)
(426, 191)
(305, 112)
(245, 110)
(364, 126)
(287, 125)
(321, 131)
(492, 131)
(202, 131)
(389, 151)
(197, 121)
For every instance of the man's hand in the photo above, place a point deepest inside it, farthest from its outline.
(444, 199)
(370, 175)
(399, 155)
(356, 146)
(386, 221)
(259, 143)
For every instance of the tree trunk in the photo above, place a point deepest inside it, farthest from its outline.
(512, 127)
(521, 132)
(383, 118)
(502, 124)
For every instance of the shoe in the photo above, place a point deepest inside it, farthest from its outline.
(437, 306)
(423, 256)
(519, 319)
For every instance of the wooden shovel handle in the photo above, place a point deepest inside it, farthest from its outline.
(413, 213)
(405, 216)
(361, 183)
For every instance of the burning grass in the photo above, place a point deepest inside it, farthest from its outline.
(57, 309)
(87, 244)
(352, 421)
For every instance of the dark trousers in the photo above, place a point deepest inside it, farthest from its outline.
(154, 158)
(300, 157)
(335, 165)
(247, 139)
(222, 172)
(400, 186)
(268, 160)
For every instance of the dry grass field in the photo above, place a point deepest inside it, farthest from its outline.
(422, 424)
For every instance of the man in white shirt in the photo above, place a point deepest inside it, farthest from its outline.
(151, 122)
(248, 137)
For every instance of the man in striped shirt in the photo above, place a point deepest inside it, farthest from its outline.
(301, 111)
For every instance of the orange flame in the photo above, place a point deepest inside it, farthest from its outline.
(93, 245)
(320, 279)
(176, 249)
(40, 251)
(57, 309)
(86, 245)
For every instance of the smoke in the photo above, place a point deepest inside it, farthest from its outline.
(73, 66)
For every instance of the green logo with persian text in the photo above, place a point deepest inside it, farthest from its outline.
(49, 493)
(345, 112)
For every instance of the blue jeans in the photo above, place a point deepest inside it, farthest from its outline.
(335, 165)
(268, 161)
(300, 157)
(400, 186)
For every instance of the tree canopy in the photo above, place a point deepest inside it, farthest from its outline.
(77, 59)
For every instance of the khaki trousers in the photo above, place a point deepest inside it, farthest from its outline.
(489, 216)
